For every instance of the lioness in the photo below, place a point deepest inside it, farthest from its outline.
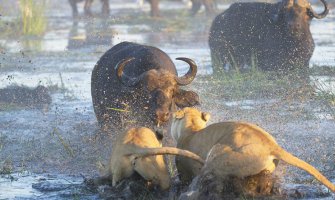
(139, 150)
(230, 148)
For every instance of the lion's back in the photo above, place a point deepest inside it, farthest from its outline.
(235, 133)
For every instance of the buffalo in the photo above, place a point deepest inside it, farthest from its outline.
(134, 83)
(210, 6)
(87, 7)
(275, 36)
(154, 4)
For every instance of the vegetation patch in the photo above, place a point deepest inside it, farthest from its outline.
(251, 84)
(6, 167)
(323, 70)
(10, 107)
(170, 21)
(10, 28)
(327, 96)
(31, 21)
(56, 134)
(32, 17)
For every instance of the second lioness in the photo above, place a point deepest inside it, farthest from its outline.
(139, 150)
(230, 148)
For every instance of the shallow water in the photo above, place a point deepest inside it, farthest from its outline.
(52, 145)
(43, 186)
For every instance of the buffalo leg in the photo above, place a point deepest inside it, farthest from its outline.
(105, 7)
(154, 8)
(73, 4)
(196, 5)
(210, 6)
(87, 7)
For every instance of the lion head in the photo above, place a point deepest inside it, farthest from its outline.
(188, 120)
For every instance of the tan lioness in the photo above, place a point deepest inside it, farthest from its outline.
(139, 150)
(230, 148)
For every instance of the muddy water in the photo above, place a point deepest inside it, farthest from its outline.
(46, 151)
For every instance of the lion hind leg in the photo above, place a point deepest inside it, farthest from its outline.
(224, 161)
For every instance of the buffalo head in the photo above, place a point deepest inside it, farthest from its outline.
(160, 90)
(297, 14)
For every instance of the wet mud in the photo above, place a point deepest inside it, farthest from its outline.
(49, 153)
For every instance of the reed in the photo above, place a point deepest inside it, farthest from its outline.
(33, 17)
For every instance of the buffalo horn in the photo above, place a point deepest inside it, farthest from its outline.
(123, 78)
(321, 15)
(190, 75)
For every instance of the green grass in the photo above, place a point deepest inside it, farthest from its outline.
(240, 83)
(32, 17)
(323, 70)
(170, 21)
(10, 106)
(6, 167)
(171, 167)
(293, 90)
(55, 133)
(324, 94)
(236, 85)
(9, 28)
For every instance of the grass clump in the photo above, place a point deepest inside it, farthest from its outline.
(171, 167)
(56, 134)
(326, 94)
(32, 17)
(171, 21)
(253, 83)
(6, 167)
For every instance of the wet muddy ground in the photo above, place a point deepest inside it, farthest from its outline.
(44, 153)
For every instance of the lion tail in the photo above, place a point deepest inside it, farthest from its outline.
(290, 159)
(143, 152)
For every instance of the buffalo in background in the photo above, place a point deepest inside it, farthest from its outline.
(133, 83)
(210, 7)
(87, 7)
(275, 36)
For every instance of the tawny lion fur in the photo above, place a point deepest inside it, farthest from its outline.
(138, 150)
(230, 148)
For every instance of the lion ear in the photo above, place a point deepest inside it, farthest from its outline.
(178, 114)
(205, 116)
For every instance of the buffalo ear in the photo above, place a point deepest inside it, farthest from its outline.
(179, 114)
(205, 116)
(185, 98)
